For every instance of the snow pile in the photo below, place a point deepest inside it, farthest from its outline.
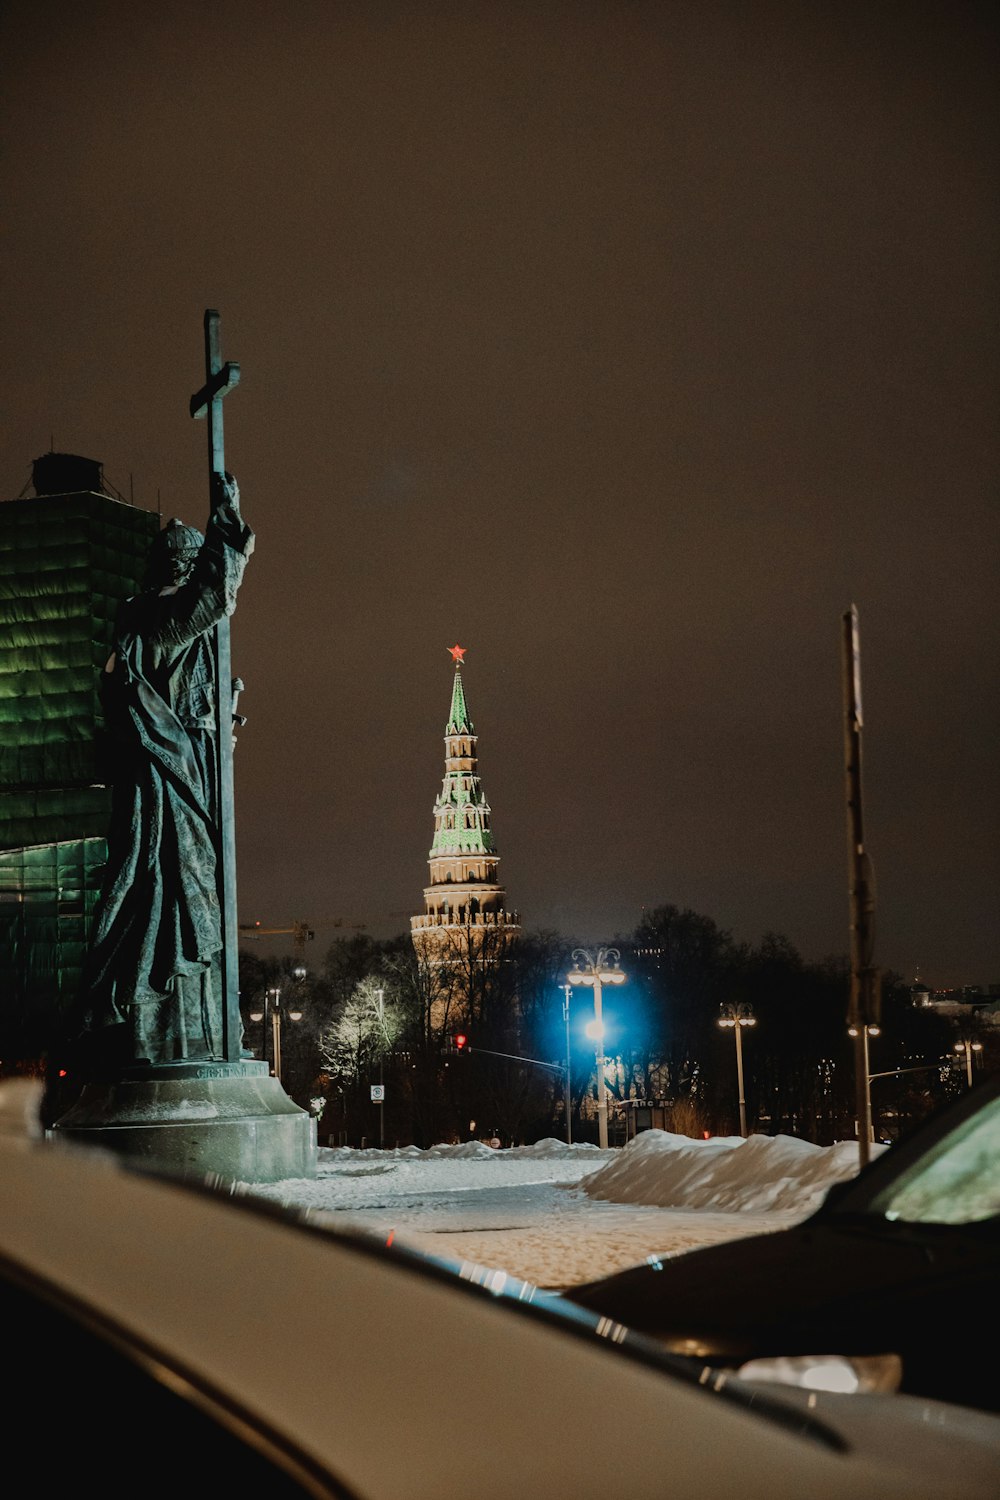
(549, 1149)
(724, 1174)
(467, 1151)
(344, 1173)
(721, 1175)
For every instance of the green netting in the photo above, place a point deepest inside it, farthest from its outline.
(47, 898)
(45, 816)
(66, 562)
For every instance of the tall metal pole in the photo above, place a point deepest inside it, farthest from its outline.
(605, 966)
(738, 1029)
(276, 1033)
(602, 1087)
(569, 1088)
(381, 1069)
(860, 892)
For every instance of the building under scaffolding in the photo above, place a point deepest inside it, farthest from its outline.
(69, 553)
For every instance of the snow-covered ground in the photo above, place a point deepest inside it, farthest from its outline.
(558, 1215)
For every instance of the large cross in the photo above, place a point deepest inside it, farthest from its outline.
(219, 379)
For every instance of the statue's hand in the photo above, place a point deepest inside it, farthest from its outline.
(225, 491)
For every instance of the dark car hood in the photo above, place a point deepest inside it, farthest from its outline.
(830, 1285)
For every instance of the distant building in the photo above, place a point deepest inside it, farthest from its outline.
(69, 554)
(956, 1000)
(465, 930)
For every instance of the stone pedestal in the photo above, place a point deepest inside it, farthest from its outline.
(229, 1121)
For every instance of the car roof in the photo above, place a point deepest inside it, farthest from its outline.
(922, 1140)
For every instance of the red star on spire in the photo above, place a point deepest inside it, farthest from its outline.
(458, 654)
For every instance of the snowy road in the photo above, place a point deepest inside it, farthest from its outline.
(558, 1215)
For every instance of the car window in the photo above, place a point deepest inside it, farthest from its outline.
(96, 1420)
(957, 1182)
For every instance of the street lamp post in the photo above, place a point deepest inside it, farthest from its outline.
(569, 1092)
(968, 1047)
(272, 1003)
(276, 1031)
(596, 970)
(381, 1068)
(267, 1007)
(738, 1016)
(866, 1125)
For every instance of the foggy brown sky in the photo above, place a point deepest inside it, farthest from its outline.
(626, 344)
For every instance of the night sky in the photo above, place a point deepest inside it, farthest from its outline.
(625, 344)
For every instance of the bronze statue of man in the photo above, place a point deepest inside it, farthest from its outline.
(151, 989)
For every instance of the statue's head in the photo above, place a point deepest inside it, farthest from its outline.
(172, 554)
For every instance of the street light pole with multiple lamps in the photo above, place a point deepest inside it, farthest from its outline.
(569, 1080)
(595, 970)
(738, 1016)
(968, 1047)
(272, 1003)
(865, 1127)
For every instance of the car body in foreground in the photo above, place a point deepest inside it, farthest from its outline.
(888, 1286)
(163, 1338)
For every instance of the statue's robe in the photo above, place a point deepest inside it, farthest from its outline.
(152, 971)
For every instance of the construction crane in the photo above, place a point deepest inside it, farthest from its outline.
(300, 933)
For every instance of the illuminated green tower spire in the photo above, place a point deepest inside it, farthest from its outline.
(464, 893)
(461, 812)
(458, 720)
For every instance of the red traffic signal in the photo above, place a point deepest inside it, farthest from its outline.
(460, 1040)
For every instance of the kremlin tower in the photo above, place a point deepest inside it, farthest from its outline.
(465, 915)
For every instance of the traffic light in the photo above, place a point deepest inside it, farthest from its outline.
(460, 1040)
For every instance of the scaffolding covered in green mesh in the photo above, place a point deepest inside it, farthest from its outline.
(66, 562)
(47, 898)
